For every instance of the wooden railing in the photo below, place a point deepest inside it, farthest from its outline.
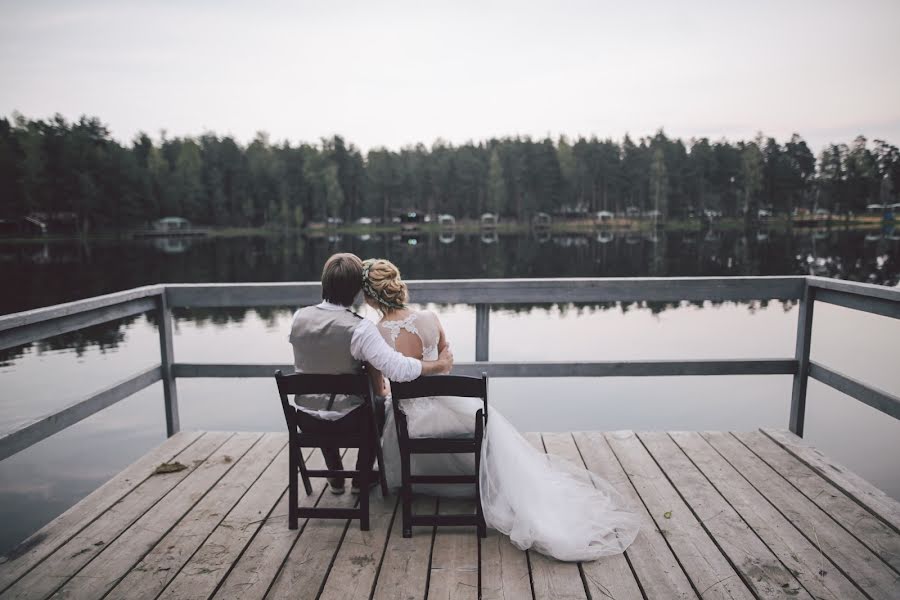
(25, 327)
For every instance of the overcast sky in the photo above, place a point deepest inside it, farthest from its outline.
(390, 74)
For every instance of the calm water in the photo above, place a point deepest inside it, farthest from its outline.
(41, 482)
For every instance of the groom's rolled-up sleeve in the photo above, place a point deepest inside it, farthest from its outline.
(368, 345)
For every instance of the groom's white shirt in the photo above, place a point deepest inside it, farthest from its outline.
(367, 345)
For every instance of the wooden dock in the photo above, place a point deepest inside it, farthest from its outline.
(726, 515)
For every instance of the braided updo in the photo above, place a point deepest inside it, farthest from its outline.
(381, 282)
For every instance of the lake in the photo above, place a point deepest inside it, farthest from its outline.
(44, 480)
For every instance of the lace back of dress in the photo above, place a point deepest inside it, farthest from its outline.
(424, 325)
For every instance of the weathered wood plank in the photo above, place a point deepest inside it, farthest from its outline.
(404, 572)
(356, 565)
(70, 557)
(25, 327)
(866, 527)
(710, 572)
(646, 368)
(199, 578)
(870, 290)
(797, 414)
(39, 315)
(872, 575)
(794, 550)
(43, 427)
(659, 573)
(119, 557)
(759, 568)
(454, 558)
(158, 567)
(504, 569)
(551, 578)
(61, 529)
(506, 291)
(253, 573)
(482, 332)
(609, 576)
(880, 400)
(308, 563)
(165, 329)
(841, 477)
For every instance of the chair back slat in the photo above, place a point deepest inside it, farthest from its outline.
(441, 385)
(353, 384)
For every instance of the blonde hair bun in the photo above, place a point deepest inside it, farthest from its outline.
(382, 282)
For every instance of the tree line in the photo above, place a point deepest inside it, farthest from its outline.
(56, 166)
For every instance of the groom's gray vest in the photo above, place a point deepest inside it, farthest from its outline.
(321, 341)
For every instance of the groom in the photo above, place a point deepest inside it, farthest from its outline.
(330, 338)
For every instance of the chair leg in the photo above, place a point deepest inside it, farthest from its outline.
(293, 500)
(406, 494)
(479, 433)
(302, 467)
(365, 476)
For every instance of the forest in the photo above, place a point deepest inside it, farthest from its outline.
(55, 166)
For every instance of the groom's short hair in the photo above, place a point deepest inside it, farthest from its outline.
(342, 278)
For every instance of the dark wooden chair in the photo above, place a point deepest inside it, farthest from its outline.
(359, 431)
(439, 385)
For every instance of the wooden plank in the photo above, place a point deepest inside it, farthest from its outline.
(61, 529)
(356, 565)
(646, 368)
(801, 355)
(404, 571)
(24, 334)
(855, 287)
(201, 575)
(43, 427)
(866, 527)
(79, 549)
(39, 315)
(876, 501)
(710, 572)
(454, 558)
(551, 578)
(864, 303)
(306, 568)
(857, 562)
(252, 575)
(117, 558)
(167, 358)
(482, 332)
(878, 399)
(758, 567)
(609, 576)
(506, 291)
(659, 573)
(504, 569)
(157, 568)
(795, 551)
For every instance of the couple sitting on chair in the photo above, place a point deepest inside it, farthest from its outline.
(540, 501)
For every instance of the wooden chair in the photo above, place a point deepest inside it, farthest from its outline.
(360, 431)
(439, 385)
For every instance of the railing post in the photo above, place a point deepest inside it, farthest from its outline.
(482, 331)
(167, 357)
(801, 354)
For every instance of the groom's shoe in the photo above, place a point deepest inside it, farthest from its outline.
(336, 487)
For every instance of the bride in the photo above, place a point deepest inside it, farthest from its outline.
(540, 501)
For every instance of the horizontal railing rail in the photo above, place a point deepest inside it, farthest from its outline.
(29, 326)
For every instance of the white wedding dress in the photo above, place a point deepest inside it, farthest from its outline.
(540, 501)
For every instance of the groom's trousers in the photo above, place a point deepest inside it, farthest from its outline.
(354, 421)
